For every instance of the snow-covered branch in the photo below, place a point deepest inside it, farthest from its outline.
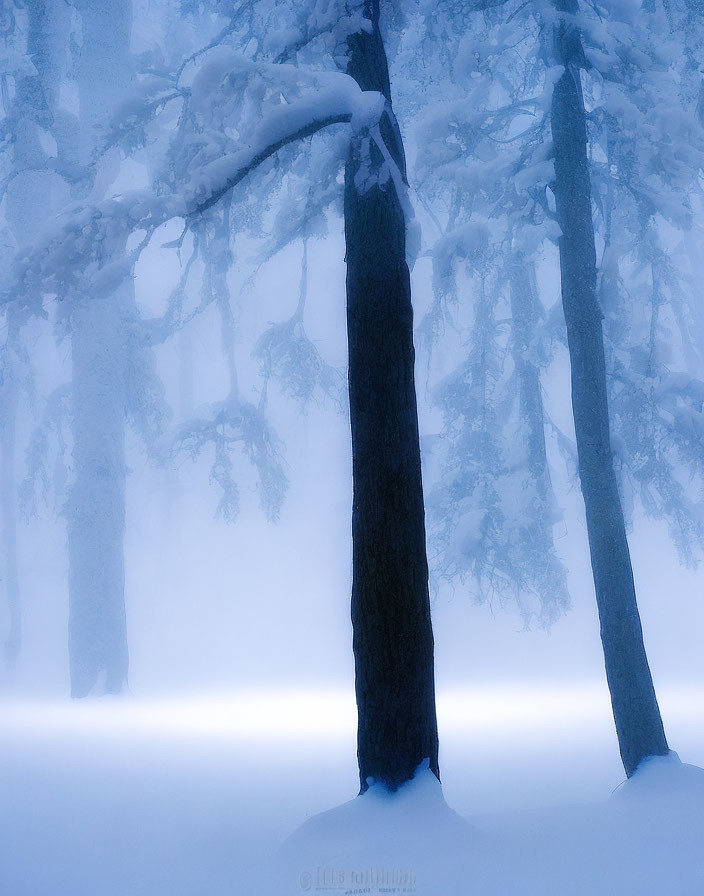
(215, 182)
(85, 246)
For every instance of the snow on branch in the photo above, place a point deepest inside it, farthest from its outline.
(84, 248)
(342, 101)
(215, 180)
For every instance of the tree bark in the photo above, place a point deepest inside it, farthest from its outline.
(636, 713)
(392, 632)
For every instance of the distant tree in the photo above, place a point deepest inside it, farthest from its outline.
(9, 395)
(33, 66)
(21, 121)
(98, 650)
(112, 376)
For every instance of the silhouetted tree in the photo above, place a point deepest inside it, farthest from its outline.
(393, 639)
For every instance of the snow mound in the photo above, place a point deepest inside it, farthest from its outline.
(665, 778)
(379, 825)
(644, 841)
(379, 842)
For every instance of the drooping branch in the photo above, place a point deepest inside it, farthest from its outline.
(339, 101)
(85, 247)
(241, 171)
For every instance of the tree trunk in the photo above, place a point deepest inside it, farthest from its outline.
(636, 713)
(98, 654)
(32, 195)
(392, 632)
(8, 492)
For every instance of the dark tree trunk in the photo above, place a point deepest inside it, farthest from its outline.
(393, 639)
(636, 713)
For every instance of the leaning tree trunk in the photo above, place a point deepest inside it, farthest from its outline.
(98, 654)
(392, 633)
(636, 713)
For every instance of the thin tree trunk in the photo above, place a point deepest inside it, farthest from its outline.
(185, 373)
(524, 314)
(8, 492)
(636, 713)
(30, 197)
(392, 632)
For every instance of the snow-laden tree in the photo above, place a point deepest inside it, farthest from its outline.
(112, 373)
(34, 62)
(394, 674)
(243, 107)
(646, 152)
(17, 72)
(393, 640)
(492, 163)
(99, 328)
(479, 104)
(638, 723)
(644, 161)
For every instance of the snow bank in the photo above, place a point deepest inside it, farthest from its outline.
(645, 840)
(133, 798)
(379, 842)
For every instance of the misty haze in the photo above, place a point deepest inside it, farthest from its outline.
(351, 447)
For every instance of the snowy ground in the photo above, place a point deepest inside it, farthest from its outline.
(224, 795)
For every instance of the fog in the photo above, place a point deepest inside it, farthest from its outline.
(216, 606)
(209, 215)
